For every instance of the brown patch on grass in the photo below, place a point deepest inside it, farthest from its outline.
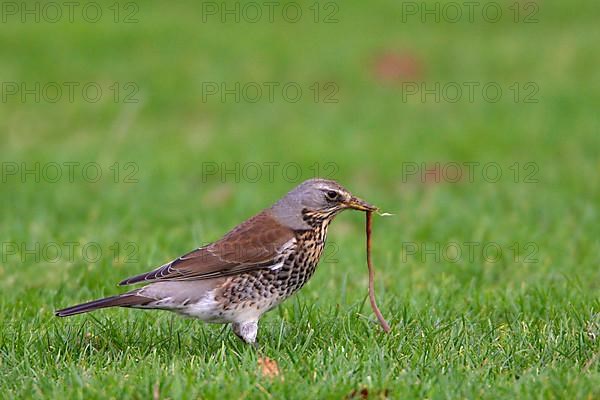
(364, 394)
(269, 368)
(397, 67)
(217, 195)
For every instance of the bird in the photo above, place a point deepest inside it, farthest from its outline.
(250, 270)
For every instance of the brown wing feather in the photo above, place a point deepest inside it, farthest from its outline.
(256, 243)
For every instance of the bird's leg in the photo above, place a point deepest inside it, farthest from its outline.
(246, 331)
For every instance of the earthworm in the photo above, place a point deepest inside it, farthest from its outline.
(378, 314)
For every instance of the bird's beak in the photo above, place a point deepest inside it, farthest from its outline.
(359, 204)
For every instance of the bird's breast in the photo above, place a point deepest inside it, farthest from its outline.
(258, 291)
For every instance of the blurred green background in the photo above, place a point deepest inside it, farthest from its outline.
(385, 75)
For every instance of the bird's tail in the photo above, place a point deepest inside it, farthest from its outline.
(121, 300)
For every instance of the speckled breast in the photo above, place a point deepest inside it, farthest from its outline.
(264, 289)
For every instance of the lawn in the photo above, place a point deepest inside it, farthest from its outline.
(132, 136)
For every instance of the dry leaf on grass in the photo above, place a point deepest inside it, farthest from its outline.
(364, 394)
(269, 368)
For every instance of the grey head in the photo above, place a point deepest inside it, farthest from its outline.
(318, 196)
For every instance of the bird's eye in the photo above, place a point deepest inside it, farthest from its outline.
(331, 195)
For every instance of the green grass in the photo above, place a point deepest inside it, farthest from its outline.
(469, 328)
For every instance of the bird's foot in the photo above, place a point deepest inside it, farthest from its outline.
(246, 331)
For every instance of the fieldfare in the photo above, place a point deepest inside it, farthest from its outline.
(248, 272)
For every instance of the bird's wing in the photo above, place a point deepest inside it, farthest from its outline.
(260, 242)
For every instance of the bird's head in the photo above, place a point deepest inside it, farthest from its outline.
(319, 197)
